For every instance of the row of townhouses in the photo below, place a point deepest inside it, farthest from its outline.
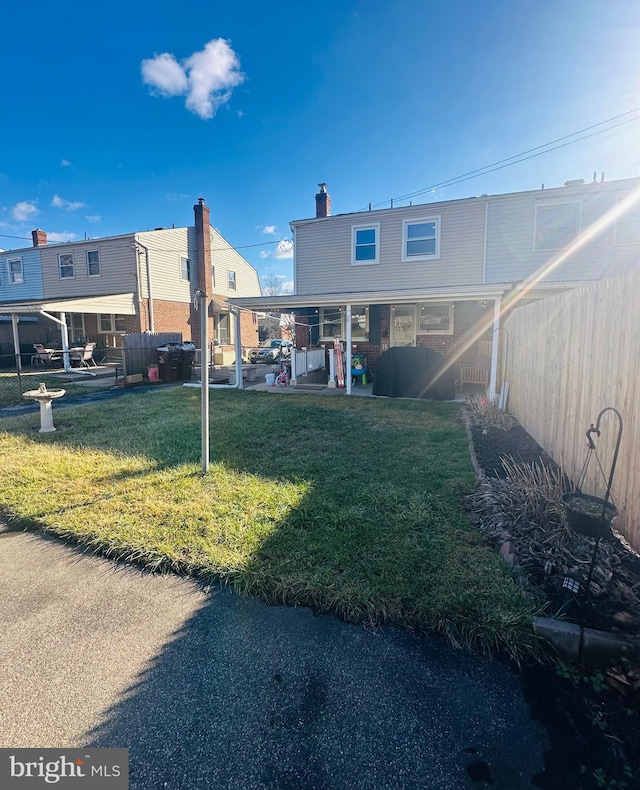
(135, 282)
(444, 274)
(441, 275)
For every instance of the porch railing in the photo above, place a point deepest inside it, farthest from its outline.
(305, 361)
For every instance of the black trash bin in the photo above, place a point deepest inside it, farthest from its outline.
(169, 362)
(187, 358)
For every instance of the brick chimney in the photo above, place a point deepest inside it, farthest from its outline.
(203, 245)
(39, 237)
(323, 202)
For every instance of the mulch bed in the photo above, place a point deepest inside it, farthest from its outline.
(592, 716)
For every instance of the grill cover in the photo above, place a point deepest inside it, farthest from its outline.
(410, 373)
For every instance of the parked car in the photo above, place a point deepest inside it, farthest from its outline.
(270, 351)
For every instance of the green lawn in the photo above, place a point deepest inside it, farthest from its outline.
(351, 505)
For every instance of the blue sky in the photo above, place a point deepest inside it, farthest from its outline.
(116, 117)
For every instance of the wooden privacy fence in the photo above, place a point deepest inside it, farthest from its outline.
(568, 357)
(140, 350)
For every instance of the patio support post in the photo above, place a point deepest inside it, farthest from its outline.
(348, 355)
(238, 346)
(16, 340)
(64, 333)
(493, 376)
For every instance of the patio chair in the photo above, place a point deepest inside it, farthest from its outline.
(44, 356)
(86, 359)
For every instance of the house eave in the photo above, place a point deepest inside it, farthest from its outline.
(468, 293)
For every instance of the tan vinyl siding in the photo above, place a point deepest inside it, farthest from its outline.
(117, 268)
(323, 251)
(166, 249)
(225, 259)
(511, 226)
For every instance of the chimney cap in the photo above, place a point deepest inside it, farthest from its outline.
(201, 201)
(323, 186)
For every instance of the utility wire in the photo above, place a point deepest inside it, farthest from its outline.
(521, 157)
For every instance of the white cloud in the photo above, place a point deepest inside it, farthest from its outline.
(284, 250)
(265, 253)
(24, 210)
(165, 74)
(93, 218)
(67, 205)
(270, 229)
(206, 78)
(66, 236)
(65, 163)
(174, 196)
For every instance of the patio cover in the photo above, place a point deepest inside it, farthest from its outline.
(123, 304)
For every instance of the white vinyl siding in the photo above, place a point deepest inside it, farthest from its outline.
(15, 271)
(557, 225)
(421, 239)
(365, 242)
(627, 229)
(66, 269)
(93, 263)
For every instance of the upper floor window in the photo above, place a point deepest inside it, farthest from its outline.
(365, 244)
(93, 263)
(421, 239)
(557, 225)
(65, 265)
(185, 269)
(213, 276)
(232, 281)
(14, 270)
(627, 230)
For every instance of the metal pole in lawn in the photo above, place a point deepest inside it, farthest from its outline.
(204, 380)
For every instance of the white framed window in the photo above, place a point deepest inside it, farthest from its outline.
(111, 323)
(435, 318)
(232, 281)
(93, 263)
(66, 269)
(557, 225)
(185, 269)
(333, 323)
(15, 271)
(627, 227)
(421, 239)
(222, 329)
(365, 245)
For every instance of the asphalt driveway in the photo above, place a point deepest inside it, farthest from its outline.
(209, 690)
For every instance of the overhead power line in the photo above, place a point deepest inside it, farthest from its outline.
(520, 157)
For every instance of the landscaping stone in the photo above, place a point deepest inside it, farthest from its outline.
(565, 637)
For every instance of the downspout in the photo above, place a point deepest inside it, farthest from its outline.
(493, 377)
(349, 350)
(152, 327)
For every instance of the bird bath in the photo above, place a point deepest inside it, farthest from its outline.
(44, 398)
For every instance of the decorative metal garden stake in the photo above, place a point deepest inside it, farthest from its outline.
(589, 515)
